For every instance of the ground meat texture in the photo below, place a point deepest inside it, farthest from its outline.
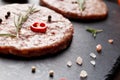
(94, 9)
(31, 44)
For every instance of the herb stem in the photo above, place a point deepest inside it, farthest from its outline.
(8, 35)
(94, 31)
(23, 18)
(81, 4)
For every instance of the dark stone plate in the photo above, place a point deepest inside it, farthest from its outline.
(82, 45)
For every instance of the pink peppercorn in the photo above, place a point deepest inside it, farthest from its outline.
(62, 79)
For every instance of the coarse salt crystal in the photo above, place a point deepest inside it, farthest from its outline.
(93, 62)
(83, 74)
(79, 60)
(110, 41)
(92, 55)
(69, 63)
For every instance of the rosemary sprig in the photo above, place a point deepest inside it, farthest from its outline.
(8, 35)
(94, 31)
(81, 4)
(22, 18)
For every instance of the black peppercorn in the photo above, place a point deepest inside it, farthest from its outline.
(6, 16)
(74, 2)
(49, 18)
(8, 13)
(0, 21)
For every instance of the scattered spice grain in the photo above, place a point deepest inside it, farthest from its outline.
(99, 48)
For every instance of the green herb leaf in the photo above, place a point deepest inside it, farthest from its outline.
(81, 4)
(23, 18)
(94, 31)
(8, 35)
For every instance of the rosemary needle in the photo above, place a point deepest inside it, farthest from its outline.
(23, 17)
(94, 31)
(81, 4)
(8, 35)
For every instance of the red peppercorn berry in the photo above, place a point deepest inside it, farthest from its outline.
(62, 79)
(38, 27)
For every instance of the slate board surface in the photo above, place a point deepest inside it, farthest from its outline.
(82, 45)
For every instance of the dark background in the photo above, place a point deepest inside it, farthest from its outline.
(24, 1)
(112, 1)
